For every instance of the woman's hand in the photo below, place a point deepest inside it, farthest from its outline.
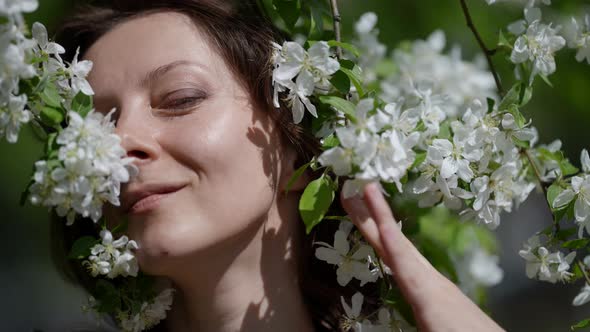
(437, 303)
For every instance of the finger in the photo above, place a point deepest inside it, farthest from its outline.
(359, 214)
(410, 269)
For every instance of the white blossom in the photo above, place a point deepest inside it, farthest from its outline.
(581, 39)
(75, 77)
(387, 322)
(90, 167)
(112, 258)
(537, 42)
(374, 147)
(311, 70)
(580, 192)
(372, 52)
(351, 263)
(544, 265)
(583, 296)
(549, 168)
(352, 319)
(448, 75)
(45, 47)
(12, 7)
(12, 116)
(149, 315)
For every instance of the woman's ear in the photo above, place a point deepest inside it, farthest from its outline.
(291, 165)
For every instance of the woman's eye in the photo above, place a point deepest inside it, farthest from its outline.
(176, 103)
(181, 103)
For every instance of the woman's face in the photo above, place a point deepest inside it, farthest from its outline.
(207, 158)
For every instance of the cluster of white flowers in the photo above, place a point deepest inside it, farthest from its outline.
(527, 3)
(537, 42)
(16, 52)
(149, 315)
(311, 71)
(581, 38)
(425, 64)
(86, 172)
(583, 296)
(112, 258)
(356, 262)
(372, 51)
(580, 192)
(376, 146)
(545, 265)
(387, 319)
(480, 161)
(477, 268)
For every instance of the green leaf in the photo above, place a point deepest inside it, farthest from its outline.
(317, 21)
(560, 213)
(576, 244)
(289, 10)
(38, 130)
(121, 227)
(565, 234)
(50, 142)
(25, 194)
(420, 157)
(578, 273)
(349, 47)
(581, 324)
(546, 79)
(341, 82)
(315, 201)
(519, 119)
(512, 98)
(340, 104)
(51, 117)
(51, 96)
(567, 168)
(330, 142)
(445, 131)
(296, 175)
(491, 104)
(552, 192)
(82, 104)
(355, 78)
(520, 143)
(526, 93)
(502, 41)
(81, 248)
(107, 296)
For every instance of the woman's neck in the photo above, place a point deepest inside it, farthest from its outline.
(252, 287)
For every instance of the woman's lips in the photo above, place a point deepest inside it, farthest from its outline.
(148, 198)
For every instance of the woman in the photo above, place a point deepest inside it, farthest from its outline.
(191, 81)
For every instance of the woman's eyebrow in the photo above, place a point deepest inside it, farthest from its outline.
(155, 74)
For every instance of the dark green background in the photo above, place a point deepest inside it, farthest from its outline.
(32, 295)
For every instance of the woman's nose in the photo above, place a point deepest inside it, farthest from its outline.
(138, 136)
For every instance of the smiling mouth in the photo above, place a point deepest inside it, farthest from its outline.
(151, 201)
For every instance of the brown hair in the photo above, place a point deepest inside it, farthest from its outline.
(242, 36)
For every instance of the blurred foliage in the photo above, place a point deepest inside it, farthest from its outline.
(559, 112)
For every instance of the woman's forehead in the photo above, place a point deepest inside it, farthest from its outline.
(141, 45)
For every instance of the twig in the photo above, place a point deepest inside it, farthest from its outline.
(337, 20)
(487, 52)
(536, 170)
(583, 268)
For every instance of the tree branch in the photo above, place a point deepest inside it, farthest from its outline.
(487, 52)
(337, 20)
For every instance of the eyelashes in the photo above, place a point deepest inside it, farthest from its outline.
(180, 102)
